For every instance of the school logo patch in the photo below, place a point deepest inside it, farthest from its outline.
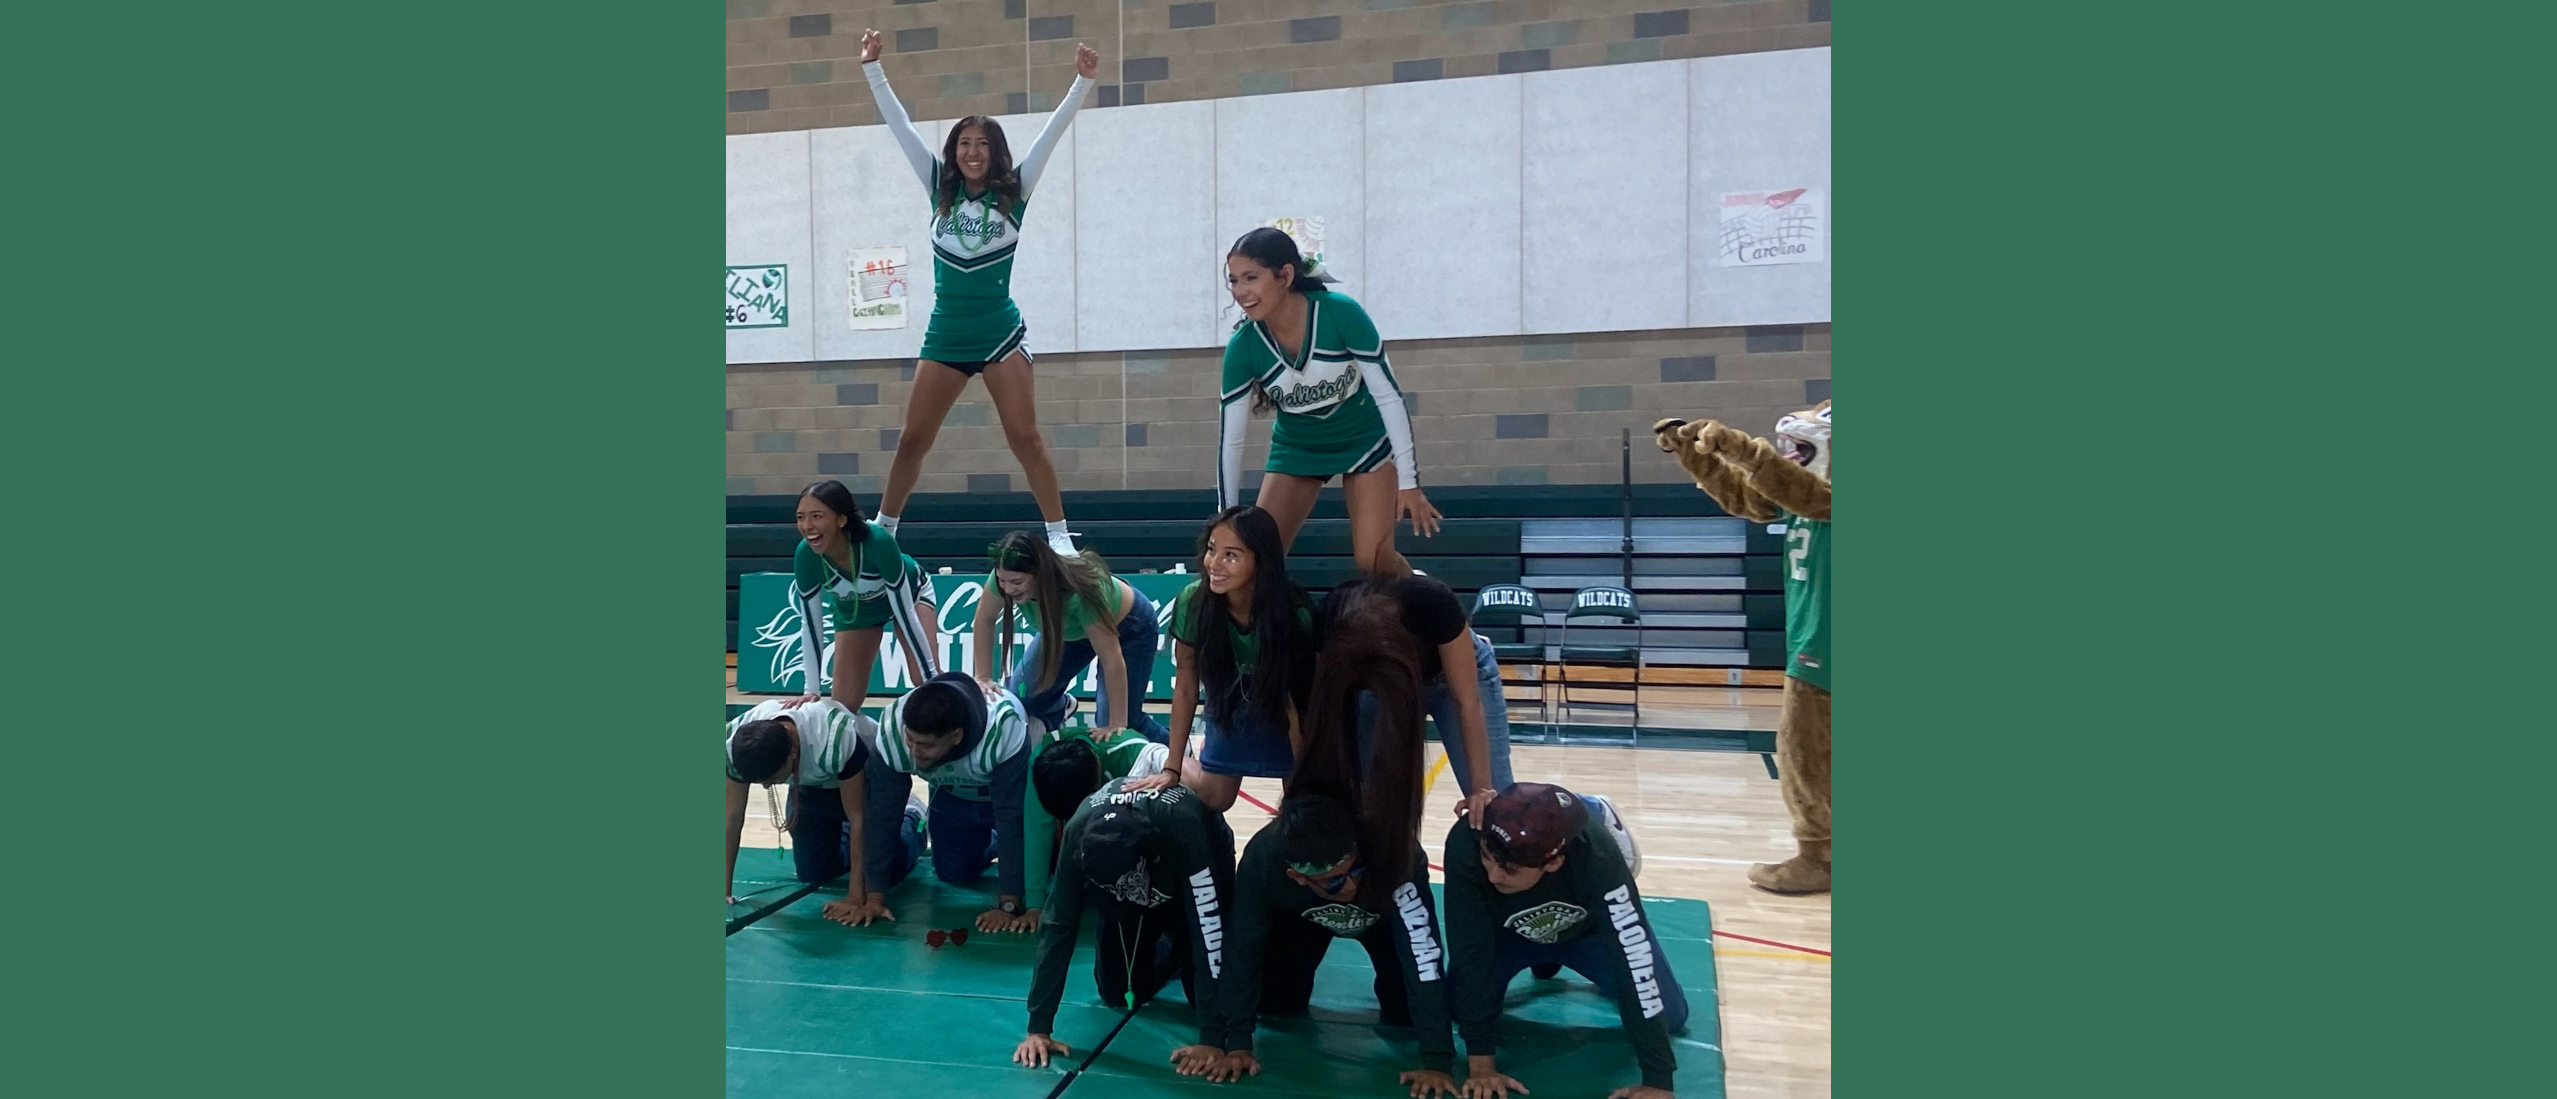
(1343, 919)
(1547, 922)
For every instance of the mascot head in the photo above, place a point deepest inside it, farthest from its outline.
(1804, 437)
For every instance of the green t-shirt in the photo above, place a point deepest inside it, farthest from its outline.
(1807, 600)
(1247, 647)
(1079, 614)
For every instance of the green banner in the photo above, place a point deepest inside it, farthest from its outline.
(768, 635)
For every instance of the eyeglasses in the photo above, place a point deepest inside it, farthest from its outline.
(957, 936)
(1334, 883)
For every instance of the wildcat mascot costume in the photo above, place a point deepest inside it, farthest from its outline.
(1763, 481)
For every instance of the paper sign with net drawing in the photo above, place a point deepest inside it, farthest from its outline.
(1769, 227)
(878, 284)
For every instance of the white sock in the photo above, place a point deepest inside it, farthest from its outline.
(1059, 540)
(1057, 527)
(886, 522)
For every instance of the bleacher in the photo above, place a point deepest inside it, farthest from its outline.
(1710, 586)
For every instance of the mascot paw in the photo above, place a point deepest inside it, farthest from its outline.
(1713, 437)
(1668, 437)
(1796, 875)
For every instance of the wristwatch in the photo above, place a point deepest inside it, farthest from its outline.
(1008, 906)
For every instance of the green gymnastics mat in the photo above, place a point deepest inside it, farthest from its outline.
(814, 1007)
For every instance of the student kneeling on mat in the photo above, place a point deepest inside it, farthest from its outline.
(1154, 864)
(1547, 882)
(975, 751)
(1069, 767)
(822, 750)
(1303, 883)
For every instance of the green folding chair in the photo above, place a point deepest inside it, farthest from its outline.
(1514, 604)
(1614, 604)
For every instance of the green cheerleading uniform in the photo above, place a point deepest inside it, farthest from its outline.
(974, 321)
(1807, 600)
(877, 597)
(1339, 409)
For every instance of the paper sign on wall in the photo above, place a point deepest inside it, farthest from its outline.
(1760, 228)
(877, 288)
(1308, 235)
(759, 296)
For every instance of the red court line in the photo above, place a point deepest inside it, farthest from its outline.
(1772, 942)
(1257, 801)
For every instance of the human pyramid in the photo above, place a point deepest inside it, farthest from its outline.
(1126, 819)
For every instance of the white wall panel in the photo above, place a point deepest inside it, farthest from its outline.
(1043, 267)
(1603, 235)
(1145, 227)
(768, 223)
(1298, 155)
(1760, 121)
(1442, 208)
(867, 196)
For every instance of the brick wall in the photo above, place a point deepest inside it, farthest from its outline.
(795, 64)
(1509, 410)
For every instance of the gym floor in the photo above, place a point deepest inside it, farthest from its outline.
(1700, 817)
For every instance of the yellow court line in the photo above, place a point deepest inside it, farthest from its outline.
(1434, 769)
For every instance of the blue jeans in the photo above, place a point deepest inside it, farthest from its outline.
(817, 817)
(1139, 637)
(968, 834)
(1593, 955)
(1438, 700)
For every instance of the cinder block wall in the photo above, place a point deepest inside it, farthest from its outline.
(796, 64)
(1531, 410)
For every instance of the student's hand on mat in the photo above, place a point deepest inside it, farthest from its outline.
(1035, 1049)
(1415, 506)
(852, 913)
(994, 920)
(1195, 1060)
(869, 46)
(1428, 1082)
(1087, 64)
(1234, 1066)
(1483, 1081)
(1159, 780)
(1027, 922)
(1639, 1092)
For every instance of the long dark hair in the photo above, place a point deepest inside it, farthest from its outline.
(1275, 250)
(838, 499)
(1059, 578)
(1367, 649)
(1282, 673)
(1000, 178)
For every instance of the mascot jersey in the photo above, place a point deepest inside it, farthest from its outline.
(1339, 409)
(1807, 600)
(974, 319)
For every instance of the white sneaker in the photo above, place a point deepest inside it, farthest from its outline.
(1063, 543)
(1624, 835)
